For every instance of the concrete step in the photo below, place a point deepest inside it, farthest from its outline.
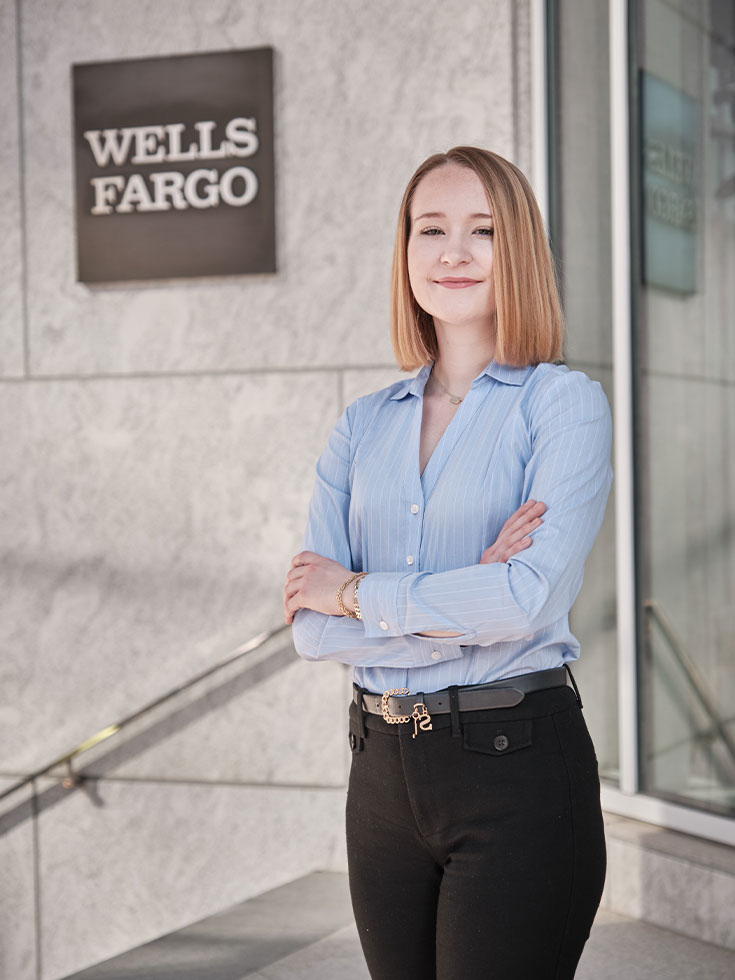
(242, 940)
(618, 949)
(304, 931)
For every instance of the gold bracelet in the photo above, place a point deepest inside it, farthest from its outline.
(360, 577)
(343, 608)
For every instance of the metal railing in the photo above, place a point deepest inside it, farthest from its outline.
(72, 779)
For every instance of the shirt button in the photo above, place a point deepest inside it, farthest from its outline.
(501, 743)
(414, 508)
(409, 559)
(436, 655)
(383, 625)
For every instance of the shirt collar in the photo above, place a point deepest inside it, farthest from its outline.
(505, 373)
(508, 374)
(413, 386)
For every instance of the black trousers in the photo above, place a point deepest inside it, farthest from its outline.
(476, 850)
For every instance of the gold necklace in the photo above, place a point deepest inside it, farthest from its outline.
(454, 399)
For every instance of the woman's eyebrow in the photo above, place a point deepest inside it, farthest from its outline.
(440, 214)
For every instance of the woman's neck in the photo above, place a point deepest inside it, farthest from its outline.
(461, 359)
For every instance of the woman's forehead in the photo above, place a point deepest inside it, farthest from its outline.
(448, 190)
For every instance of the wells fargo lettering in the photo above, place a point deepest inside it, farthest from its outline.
(163, 190)
(673, 205)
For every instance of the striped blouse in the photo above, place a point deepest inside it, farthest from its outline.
(540, 433)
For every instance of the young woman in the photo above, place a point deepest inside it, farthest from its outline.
(447, 533)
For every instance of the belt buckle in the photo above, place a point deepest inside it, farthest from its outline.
(393, 719)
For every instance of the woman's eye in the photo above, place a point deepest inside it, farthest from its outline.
(486, 232)
(432, 231)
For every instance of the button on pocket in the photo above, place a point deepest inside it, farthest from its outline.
(499, 738)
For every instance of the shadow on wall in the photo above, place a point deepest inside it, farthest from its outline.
(135, 744)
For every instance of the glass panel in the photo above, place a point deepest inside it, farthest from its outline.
(579, 123)
(685, 341)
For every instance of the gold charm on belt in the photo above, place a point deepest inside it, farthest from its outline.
(421, 719)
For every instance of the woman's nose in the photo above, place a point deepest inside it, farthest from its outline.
(454, 252)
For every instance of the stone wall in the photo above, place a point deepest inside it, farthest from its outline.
(158, 449)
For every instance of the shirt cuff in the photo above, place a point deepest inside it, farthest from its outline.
(378, 598)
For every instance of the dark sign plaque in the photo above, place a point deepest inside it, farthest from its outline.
(174, 166)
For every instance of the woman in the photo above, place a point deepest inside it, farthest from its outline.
(450, 521)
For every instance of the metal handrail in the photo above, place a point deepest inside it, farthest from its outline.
(690, 669)
(72, 779)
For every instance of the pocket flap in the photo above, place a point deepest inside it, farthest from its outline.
(498, 739)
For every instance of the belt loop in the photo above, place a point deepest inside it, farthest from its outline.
(454, 710)
(361, 716)
(574, 684)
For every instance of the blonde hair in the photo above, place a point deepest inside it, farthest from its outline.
(529, 320)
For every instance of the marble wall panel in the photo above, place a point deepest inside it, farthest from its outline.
(523, 91)
(676, 895)
(358, 383)
(679, 882)
(594, 622)
(363, 93)
(623, 884)
(17, 898)
(584, 182)
(267, 719)
(720, 927)
(11, 218)
(148, 858)
(145, 534)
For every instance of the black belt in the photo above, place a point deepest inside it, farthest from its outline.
(400, 704)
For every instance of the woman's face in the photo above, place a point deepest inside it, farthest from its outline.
(450, 248)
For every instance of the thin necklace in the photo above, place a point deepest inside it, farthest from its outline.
(454, 399)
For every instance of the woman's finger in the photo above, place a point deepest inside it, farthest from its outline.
(304, 558)
(517, 514)
(522, 531)
(528, 512)
(516, 548)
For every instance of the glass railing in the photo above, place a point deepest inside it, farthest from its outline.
(690, 751)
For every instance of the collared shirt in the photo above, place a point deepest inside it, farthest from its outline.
(541, 433)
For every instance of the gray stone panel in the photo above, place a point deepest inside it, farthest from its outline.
(594, 622)
(583, 133)
(269, 718)
(135, 861)
(671, 880)
(145, 535)
(11, 249)
(357, 383)
(17, 900)
(363, 93)
(523, 94)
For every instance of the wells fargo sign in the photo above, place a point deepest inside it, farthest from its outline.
(174, 166)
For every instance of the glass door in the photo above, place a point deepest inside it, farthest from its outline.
(684, 329)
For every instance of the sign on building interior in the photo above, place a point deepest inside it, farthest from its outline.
(174, 166)
(671, 198)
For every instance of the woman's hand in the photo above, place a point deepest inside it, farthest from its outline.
(312, 583)
(515, 533)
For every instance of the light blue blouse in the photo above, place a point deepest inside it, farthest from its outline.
(535, 432)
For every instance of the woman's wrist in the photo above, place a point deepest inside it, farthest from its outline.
(347, 599)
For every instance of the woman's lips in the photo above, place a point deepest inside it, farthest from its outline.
(456, 283)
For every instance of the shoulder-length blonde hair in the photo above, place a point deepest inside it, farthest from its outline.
(529, 320)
